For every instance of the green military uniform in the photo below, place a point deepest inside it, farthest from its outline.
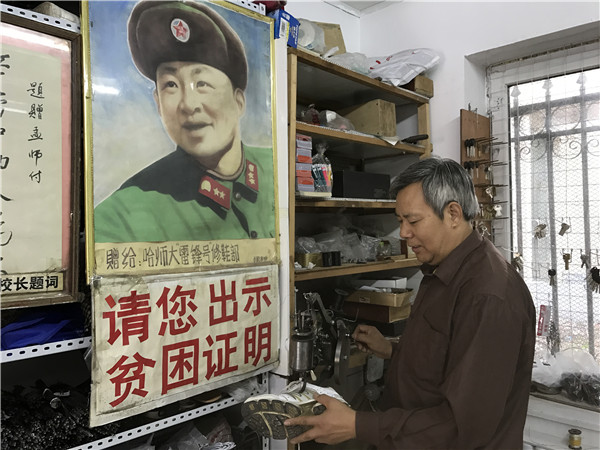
(175, 199)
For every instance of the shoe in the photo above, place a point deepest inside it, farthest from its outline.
(266, 413)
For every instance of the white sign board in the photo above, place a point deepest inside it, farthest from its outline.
(159, 339)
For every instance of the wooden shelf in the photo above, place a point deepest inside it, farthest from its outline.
(372, 206)
(333, 86)
(349, 269)
(356, 146)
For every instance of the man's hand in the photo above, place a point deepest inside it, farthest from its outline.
(335, 425)
(370, 339)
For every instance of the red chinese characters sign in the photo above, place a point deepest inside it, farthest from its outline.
(163, 338)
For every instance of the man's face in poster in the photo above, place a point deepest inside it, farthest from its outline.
(200, 109)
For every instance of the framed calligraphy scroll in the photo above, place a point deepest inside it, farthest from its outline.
(179, 121)
(40, 127)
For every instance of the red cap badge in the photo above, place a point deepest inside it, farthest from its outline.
(180, 30)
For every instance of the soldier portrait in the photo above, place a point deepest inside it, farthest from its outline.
(182, 124)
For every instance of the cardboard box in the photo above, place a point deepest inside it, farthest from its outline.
(351, 184)
(286, 27)
(303, 170)
(333, 36)
(304, 155)
(398, 298)
(421, 85)
(376, 313)
(305, 184)
(376, 117)
(304, 258)
(303, 141)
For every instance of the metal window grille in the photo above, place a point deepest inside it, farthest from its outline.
(546, 108)
(555, 160)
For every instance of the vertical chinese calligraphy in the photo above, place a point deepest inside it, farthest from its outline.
(35, 161)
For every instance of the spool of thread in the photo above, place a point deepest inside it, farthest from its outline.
(575, 439)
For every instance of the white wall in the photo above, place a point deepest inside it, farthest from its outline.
(456, 30)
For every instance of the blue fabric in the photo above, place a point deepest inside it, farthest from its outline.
(42, 325)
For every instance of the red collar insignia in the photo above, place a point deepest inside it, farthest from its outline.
(251, 176)
(211, 188)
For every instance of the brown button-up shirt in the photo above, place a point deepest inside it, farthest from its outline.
(460, 376)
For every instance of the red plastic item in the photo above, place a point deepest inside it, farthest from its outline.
(272, 6)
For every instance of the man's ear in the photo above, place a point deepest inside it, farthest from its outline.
(240, 99)
(455, 212)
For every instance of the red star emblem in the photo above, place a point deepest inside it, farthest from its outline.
(180, 30)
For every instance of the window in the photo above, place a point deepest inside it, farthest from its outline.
(547, 111)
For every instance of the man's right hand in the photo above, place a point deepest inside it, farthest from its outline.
(370, 339)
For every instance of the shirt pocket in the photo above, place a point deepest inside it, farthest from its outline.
(427, 356)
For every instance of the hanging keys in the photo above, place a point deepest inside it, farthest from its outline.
(593, 280)
(564, 227)
(585, 262)
(567, 259)
(483, 230)
(468, 165)
(517, 262)
(540, 231)
(489, 173)
(552, 275)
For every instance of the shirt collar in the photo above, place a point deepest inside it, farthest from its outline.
(448, 268)
(194, 162)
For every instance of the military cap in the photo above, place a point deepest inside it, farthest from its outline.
(162, 31)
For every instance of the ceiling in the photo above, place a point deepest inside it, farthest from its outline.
(359, 8)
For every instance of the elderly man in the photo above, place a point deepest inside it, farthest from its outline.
(459, 378)
(212, 186)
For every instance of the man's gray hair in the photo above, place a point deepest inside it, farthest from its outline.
(444, 181)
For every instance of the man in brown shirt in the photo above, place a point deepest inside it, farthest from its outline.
(459, 377)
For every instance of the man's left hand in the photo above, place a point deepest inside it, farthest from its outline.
(335, 425)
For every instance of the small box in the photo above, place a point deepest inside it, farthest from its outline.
(376, 117)
(333, 36)
(376, 313)
(305, 184)
(400, 282)
(286, 26)
(303, 170)
(421, 85)
(398, 298)
(303, 141)
(304, 155)
(304, 258)
(351, 184)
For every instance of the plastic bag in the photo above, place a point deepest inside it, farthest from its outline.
(311, 36)
(358, 62)
(401, 67)
(332, 119)
(310, 115)
(354, 252)
(321, 169)
(575, 371)
(241, 390)
(370, 245)
(306, 245)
